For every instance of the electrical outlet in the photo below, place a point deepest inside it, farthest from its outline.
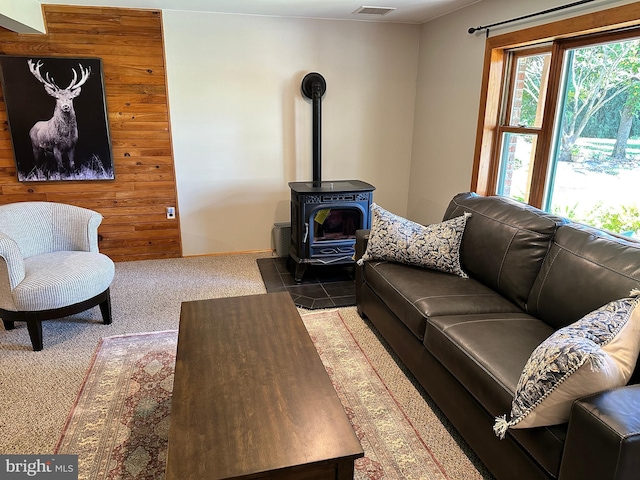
(171, 212)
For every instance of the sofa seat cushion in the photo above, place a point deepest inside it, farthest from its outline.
(58, 279)
(414, 294)
(486, 353)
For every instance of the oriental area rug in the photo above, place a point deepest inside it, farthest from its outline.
(119, 425)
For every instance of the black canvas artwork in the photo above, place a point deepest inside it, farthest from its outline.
(58, 119)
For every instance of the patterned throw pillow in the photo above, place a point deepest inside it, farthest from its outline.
(400, 240)
(596, 353)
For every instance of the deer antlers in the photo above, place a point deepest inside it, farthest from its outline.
(85, 75)
(49, 81)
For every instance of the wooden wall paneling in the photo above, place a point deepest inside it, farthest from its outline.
(130, 44)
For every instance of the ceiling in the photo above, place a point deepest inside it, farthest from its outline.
(407, 11)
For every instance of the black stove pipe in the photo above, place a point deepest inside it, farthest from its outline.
(314, 87)
(317, 127)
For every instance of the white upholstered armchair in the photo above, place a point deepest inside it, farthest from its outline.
(50, 266)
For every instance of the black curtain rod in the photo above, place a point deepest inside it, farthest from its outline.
(544, 12)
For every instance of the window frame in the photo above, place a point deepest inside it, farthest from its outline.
(504, 123)
(599, 27)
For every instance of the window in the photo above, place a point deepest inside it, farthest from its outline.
(521, 127)
(595, 166)
(559, 125)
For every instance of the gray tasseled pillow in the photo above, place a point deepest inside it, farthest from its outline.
(397, 239)
(596, 353)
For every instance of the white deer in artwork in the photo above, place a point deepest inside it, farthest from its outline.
(58, 135)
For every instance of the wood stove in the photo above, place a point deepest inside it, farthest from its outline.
(325, 214)
(324, 219)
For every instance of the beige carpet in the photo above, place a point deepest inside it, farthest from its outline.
(38, 389)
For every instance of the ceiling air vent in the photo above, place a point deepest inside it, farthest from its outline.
(373, 10)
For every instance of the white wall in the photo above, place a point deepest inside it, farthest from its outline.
(448, 97)
(242, 130)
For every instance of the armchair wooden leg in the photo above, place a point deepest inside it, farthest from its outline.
(8, 324)
(105, 309)
(34, 327)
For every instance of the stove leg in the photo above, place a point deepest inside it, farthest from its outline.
(300, 269)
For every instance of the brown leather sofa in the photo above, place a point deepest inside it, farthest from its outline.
(466, 341)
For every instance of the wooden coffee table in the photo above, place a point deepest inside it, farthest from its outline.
(251, 398)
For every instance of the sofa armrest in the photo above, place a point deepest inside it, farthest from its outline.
(603, 437)
(362, 238)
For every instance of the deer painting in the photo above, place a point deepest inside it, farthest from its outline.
(57, 137)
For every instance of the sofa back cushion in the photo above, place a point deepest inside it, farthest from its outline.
(585, 269)
(505, 242)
